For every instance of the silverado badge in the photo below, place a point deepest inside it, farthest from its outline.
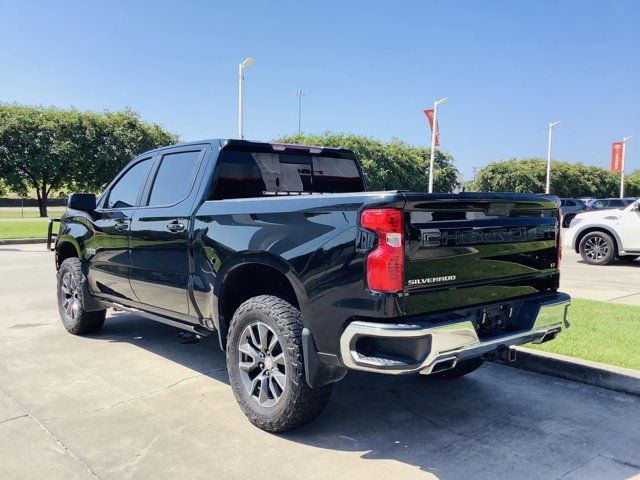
(428, 281)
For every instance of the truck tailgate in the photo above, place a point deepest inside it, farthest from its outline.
(478, 248)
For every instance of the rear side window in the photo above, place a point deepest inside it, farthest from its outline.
(243, 174)
(336, 175)
(174, 177)
(124, 193)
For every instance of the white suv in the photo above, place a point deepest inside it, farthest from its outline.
(600, 236)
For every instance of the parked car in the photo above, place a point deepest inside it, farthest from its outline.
(303, 274)
(569, 207)
(601, 236)
(609, 203)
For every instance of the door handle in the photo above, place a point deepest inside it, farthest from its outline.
(175, 227)
(121, 226)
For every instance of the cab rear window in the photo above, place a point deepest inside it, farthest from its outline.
(247, 174)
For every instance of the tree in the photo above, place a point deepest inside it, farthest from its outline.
(529, 176)
(49, 148)
(632, 184)
(395, 165)
(110, 141)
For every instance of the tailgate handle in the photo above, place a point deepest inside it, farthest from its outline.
(175, 227)
(122, 225)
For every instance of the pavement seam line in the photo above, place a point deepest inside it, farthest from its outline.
(43, 427)
(13, 418)
(623, 296)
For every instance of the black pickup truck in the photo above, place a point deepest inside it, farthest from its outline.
(303, 274)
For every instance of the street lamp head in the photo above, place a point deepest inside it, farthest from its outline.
(553, 124)
(299, 93)
(442, 100)
(248, 62)
(628, 138)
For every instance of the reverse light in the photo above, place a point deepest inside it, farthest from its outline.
(385, 264)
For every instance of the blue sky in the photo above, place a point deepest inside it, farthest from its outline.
(509, 67)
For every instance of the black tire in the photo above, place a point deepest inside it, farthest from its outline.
(75, 318)
(628, 258)
(463, 368)
(297, 402)
(566, 221)
(597, 248)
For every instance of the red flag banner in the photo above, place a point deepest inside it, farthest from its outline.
(616, 157)
(429, 114)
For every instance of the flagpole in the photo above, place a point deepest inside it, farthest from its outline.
(624, 144)
(624, 150)
(434, 129)
(547, 189)
(433, 145)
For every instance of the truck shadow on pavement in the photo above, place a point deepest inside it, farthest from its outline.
(498, 422)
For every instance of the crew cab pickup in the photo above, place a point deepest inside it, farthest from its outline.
(302, 274)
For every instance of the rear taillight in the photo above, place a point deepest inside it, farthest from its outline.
(586, 209)
(385, 264)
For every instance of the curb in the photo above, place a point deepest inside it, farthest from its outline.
(21, 241)
(619, 379)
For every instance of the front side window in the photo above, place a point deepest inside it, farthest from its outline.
(174, 177)
(245, 174)
(124, 193)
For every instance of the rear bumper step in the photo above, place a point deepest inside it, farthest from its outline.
(439, 347)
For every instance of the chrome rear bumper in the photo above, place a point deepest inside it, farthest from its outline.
(449, 343)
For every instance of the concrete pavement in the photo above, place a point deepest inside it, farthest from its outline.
(134, 402)
(618, 282)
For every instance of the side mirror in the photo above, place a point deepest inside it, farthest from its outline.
(85, 202)
(636, 206)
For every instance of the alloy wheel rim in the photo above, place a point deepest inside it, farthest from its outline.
(262, 365)
(70, 298)
(596, 248)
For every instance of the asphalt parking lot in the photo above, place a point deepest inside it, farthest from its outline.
(135, 402)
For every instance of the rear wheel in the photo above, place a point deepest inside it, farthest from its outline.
(74, 317)
(266, 365)
(461, 369)
(597, 248)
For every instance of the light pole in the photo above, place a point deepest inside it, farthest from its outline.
(548, 187)
(299, 94)
(241, 67)
(434, 131)
(624, 149)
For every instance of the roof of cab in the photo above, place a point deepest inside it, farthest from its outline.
(222, 142)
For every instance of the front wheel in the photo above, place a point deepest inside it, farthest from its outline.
(74, 317)
(266, 365)
(597, 248)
